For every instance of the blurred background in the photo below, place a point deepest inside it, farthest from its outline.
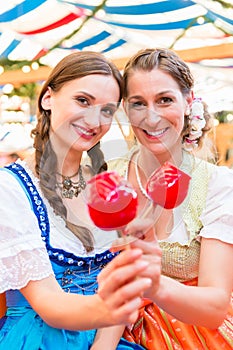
(35, 35)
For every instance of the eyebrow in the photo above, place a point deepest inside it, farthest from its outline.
(116, 104)
(158, 94)
(86, 93)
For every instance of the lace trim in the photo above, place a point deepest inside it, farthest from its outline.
(24, 267)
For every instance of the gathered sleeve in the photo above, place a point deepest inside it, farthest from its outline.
(23, 255)
(217, 217)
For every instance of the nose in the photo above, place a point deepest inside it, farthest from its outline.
(152, 117)
(92, 116)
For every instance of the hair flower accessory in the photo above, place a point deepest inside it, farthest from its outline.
(196, 123)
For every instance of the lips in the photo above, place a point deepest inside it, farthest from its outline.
(87, 133)
(157, 133)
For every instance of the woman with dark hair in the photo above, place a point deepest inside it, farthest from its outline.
(50, 252)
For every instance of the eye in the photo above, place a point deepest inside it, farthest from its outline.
(108, 111)
(165, 100)
(136, 105)
(83, 101)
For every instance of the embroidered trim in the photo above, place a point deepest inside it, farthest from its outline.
(59, 256)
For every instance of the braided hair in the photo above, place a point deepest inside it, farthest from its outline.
(73, 66)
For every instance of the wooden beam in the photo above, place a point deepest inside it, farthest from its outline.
(191, 55)
(207, 52)
(18, 77)
(196, 54)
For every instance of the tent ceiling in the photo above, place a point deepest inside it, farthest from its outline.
(50, 29)
(47, 30)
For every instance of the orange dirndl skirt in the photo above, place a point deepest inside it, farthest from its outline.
(2, 304)
(157, 330)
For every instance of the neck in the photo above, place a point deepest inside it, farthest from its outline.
(30, 160)
(149, 162)
(69, 165)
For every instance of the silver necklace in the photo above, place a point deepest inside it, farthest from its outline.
(69, 188)
(142, 189)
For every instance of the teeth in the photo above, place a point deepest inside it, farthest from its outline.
(156, 133)
(84, 131)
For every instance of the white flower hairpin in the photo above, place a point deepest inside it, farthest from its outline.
(196, 123)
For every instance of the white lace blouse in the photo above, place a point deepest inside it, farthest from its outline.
(23, 255)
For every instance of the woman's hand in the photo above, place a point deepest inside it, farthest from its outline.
(141, 235)
(120, 288)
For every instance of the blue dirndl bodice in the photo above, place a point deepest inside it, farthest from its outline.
(22, 327)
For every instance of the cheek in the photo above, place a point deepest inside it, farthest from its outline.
(177, 120)
(105, 127)
(59, 118)
(135, 121)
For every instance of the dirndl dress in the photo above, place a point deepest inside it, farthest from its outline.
(21, 328)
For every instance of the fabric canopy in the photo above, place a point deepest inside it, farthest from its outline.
(47, 30)
(50, 29)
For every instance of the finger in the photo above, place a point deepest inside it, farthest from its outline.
(151, 248)
(142, 228)
(128, 292)
(129, 311)
(120, 277)
(125, 258)
(153, 271)
(122, 243)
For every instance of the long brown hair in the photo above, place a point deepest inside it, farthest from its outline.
(73, 66)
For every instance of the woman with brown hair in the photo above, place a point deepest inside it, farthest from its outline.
(50, 252)
(192, 307)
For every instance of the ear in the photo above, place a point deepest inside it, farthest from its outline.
(46, 99)
(189, 100)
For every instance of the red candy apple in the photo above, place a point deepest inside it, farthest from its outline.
(111, 200)
(168, 186)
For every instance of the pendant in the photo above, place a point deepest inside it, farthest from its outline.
(70, 189)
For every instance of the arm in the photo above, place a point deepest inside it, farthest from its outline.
(116, 302)
(107, 338)
(207, 304)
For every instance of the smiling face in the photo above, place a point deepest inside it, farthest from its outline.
(156, 107)
(81, 111)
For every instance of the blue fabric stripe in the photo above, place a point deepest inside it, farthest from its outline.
(10, 48)
(142, 9)
(154, 26)
(92, 41)
(114, 45)
(213, 17)
(20, 9)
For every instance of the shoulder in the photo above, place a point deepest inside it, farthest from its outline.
(221, 181)
(217, 217)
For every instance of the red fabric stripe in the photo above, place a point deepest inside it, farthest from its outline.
(40, 54)
(67, 19)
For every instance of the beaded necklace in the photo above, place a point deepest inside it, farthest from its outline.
(69, 188)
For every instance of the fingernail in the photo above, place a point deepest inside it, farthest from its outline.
(148, 281)
(141, 264)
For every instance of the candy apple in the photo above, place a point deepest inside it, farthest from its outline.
(168, 186)
(111, 200)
